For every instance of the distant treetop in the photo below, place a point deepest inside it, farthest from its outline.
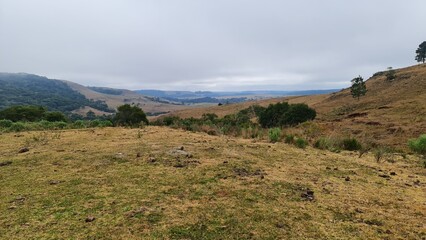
(421, 52)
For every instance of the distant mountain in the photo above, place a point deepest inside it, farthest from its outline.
(200, 97)
(207, 94)
(29, 89)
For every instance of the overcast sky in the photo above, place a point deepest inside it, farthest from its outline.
(209, 44)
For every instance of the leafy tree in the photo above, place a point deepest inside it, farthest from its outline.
(23, 113)
(271, 116)
(358, 87)
(283, 114)
(55, 117)
(128, 115)
(421, 52)
(298, 113)
(390, 74)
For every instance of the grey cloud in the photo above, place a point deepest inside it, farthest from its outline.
(209, 45)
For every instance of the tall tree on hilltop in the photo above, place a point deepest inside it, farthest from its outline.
(358, 87)
(421, 52)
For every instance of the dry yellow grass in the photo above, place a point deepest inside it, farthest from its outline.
(135, 186)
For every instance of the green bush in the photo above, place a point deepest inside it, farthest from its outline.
(128, 115)
(59, 125)
(79, 124)
(289, 138)
(301, 143)
(322, 143)
(298, 113)
(271, 116)
(5, 123)
(18, 127)
(274, 134)
(418, 145)
(351, 144)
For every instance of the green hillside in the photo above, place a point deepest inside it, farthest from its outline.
(29, 89)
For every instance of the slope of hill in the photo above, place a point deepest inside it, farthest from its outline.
(390, 113)
(116, 97)
(116, 183)
(28, 89)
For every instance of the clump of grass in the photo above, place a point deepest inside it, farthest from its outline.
(289, 138)
(418, 145)
(323, 143)
(351, 144)
(274, 134)
(301, 143)
(379, 153)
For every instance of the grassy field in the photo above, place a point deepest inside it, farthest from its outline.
(160, 183)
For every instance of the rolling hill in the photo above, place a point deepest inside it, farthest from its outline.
(29, 89)
(116, 97)
(390, 113)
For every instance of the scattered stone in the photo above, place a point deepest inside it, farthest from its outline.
(280, 225)
(417, 183)
(180, 148)
(335, 169)
(393, 173)
(138, 155)
(179, 152)
(225, 162)
(54, 182)
(152, 159)
(308, 195)
(179, 165)
(328, 168)
(347, 179)
(23, 150)
(359, 210)
(136, 212)
(90, 219)
(19, 199)
(385, 176)
(12, 207)
(5, 163)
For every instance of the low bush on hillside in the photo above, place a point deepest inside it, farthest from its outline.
(289, 138)
(418, 145)
(9, 126)
(300, 143)
(274, 134)
(351, 144)
(284, 114)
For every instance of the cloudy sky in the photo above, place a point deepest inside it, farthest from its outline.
(209, 44)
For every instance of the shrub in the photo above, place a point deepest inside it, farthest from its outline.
(18, 127)
(79, 124)
(322, 143)
(379, 153)
(351, 144)
(274, 134)
(55, 117)
(59, 125)
(289, 138)
(105, 123)
(301, 143)
(5, 123)
(418, 145)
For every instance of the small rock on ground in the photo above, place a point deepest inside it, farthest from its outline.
(24, 149)
(5, 163)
